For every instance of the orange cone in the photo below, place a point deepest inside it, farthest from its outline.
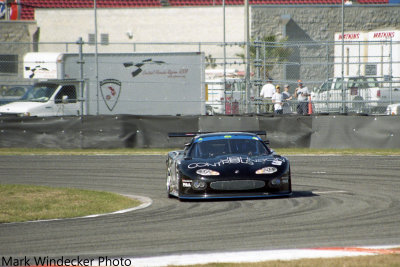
(310, 111)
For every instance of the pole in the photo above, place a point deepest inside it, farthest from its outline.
(391, 70)
(343, 89)
(80, 62)
(224, 41)
(96, 57)
(247, 54)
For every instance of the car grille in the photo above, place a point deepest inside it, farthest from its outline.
(237, 185)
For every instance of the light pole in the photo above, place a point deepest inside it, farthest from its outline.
(247, 53)
(343, 89)
(224, 41)
(96, 56)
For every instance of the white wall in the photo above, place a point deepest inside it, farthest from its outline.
(157, 25)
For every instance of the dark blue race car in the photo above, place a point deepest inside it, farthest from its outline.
(227, 165)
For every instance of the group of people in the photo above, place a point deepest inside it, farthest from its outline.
(277, 101)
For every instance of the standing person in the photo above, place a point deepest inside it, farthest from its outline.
(277, 99)
(266, 93)
(302, 95)
(286, 95)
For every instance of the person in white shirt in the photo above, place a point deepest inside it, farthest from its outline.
(266, 93)
(277, 99)
(302, 95)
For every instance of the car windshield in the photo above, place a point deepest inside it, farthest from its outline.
(219, 146)
(372, 82)
(326, 86)
(40, 92)
(362, 82)
(14, 92)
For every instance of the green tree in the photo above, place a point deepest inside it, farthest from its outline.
(271, 52)
(210, 62)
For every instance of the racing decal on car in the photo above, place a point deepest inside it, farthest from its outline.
(228, 160)
(110, 91)
(187, 183)
(277, 162)
(235, 160)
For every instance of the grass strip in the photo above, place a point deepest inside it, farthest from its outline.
(164, 151)
(392, 260)
(27, 203)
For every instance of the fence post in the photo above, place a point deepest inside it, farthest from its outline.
(81, 62)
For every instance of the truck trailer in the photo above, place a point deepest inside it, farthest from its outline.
(112, 83)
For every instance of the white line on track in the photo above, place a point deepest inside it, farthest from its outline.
(146, 202)
(330, 192)
(256, 256)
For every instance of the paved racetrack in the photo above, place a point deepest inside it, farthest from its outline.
(337, 201)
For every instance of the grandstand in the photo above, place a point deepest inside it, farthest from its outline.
(28, 6)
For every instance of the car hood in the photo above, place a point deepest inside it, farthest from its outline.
(19, 107)
(226, 165)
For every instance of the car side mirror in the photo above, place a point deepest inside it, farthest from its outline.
(65, 99)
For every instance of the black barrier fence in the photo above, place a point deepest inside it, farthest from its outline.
(129, 131)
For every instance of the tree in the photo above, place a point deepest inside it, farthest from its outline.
(271, 52)
(210, 62)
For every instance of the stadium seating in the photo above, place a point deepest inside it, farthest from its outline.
(373, 1)
(28, 6)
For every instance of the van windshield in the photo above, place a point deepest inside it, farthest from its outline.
(40, 92)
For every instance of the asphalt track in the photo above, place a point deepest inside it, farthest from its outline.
(337, 201)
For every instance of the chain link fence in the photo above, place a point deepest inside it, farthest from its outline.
(341, 77)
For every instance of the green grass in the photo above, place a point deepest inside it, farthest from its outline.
(339, 151)
(163, 151)
(27, 203)
(55, 151)
(392, 260)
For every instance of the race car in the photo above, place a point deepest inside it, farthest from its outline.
(226, 165)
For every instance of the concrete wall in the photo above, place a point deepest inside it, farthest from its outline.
(315, 24)
(154, 25)
(15, 39)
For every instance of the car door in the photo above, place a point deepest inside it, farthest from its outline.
(322, 97)
(66, 101)
(336, 95)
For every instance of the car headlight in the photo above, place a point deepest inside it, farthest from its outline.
(267, 170)
(25, 114)
(207, 172)
(199, 185)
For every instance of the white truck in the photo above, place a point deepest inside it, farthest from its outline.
(361, 95)
(371, 71)
(126, 83)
